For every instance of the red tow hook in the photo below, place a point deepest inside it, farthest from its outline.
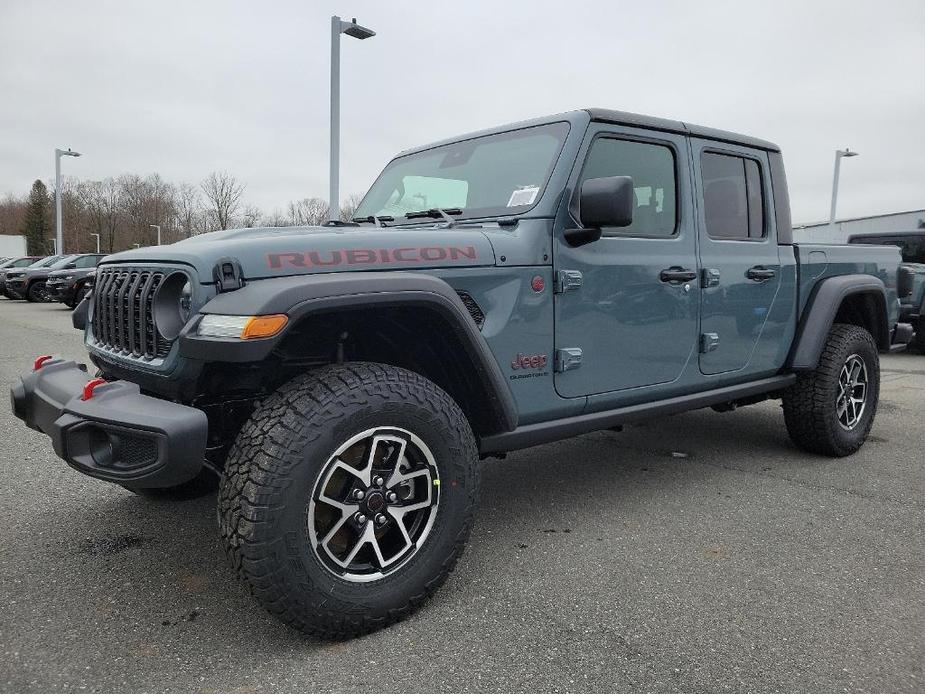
(40, 362)
(91, 386)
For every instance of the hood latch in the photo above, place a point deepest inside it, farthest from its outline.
(228, 275)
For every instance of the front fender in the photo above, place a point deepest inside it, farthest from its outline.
(822, 307)
(304, 295)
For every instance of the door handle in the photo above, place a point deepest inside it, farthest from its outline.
(677, 274)
(759, 273)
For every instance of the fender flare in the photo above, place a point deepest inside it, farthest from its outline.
(304, 295)
(821, 309)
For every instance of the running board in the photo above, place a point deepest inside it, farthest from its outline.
(545, 432)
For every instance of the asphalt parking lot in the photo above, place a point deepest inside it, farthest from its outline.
(700, 553)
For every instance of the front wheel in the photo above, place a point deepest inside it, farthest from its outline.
(37, 293)
(831, 409)
(349, 496)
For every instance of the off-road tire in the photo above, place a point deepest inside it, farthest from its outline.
(273, 468)
(810, 404)
(35, 293)
(205, 483)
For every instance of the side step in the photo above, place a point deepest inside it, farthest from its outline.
(545, 432)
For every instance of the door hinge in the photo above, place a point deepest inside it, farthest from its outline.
(709, 277)
(566, 280)
(709, 342)
(566, 359)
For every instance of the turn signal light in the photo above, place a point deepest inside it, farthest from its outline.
(40, 362)
(264, 326)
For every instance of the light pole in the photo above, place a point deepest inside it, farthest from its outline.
(59, 233)
(158, 227)
(839, 153)
(353, 29)
(97, 241)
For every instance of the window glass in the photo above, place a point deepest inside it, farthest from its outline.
(498, 174)
(733, 198)
(88, 261)
(912, 246)
(652, 169)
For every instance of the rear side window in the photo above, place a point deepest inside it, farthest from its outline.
(87, 261)
(652, 168)
(733, 197)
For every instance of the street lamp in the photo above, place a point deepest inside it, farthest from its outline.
(59, 234)
(839, 153)
(158, 227)
(97, 241)
(353, 29)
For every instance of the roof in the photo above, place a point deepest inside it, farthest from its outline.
(635, 120)
(640, 121)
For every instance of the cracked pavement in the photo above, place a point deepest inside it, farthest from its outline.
(698, 553)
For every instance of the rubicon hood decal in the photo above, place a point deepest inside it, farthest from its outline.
(307, 250)
(372, 256)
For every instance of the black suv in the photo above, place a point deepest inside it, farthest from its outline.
(29, 283)
(15, 264)
(69, 285)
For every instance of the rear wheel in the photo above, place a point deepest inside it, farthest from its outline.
(831, 409)
(349, 496)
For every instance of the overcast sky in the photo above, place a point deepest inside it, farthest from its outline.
(184, 88)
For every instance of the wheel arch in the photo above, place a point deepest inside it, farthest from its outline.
(853, 299)
(410, 320)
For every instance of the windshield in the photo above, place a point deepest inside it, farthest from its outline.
(62, 261)
(45, 262)
(498, 174)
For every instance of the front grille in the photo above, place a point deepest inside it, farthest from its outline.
(123, 313)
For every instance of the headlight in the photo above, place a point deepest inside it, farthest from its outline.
(241, 327)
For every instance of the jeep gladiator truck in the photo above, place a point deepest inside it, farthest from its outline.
(496, 291)
(911, 282)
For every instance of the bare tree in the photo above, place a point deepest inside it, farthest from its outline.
(349, 207)
(251, 217)
(307, 212)
(190, 215)
(223, 194)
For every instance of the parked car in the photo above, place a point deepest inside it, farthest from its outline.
(69, 285)
(20, 263)
(536, 281)
(911, 285)
(29, 283)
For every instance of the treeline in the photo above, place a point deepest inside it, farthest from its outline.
(123, 209)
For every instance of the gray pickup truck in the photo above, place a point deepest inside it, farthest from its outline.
(499, 290)
(911, 283)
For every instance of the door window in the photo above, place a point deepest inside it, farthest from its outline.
(652, 168)
(733, 198)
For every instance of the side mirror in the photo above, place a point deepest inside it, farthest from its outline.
(603, 202)
(70, 266)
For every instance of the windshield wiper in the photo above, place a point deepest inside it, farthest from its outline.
(373, 219)
(437, 213)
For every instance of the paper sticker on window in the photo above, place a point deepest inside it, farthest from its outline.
(524, 195)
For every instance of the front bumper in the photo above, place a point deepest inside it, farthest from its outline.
(118, 434)
(60, 291)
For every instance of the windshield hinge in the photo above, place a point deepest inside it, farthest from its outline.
(228, 275)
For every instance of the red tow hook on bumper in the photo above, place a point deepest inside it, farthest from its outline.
(91, 386)
(40, 362)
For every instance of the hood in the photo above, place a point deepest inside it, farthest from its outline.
(282, 251)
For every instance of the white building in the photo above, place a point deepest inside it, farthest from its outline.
(12, 246)
(822, 232)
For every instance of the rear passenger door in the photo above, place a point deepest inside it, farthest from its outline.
(739, 256)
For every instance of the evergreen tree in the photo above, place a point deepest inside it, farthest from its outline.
(38, 225)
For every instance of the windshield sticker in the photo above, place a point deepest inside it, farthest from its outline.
(523, 195)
